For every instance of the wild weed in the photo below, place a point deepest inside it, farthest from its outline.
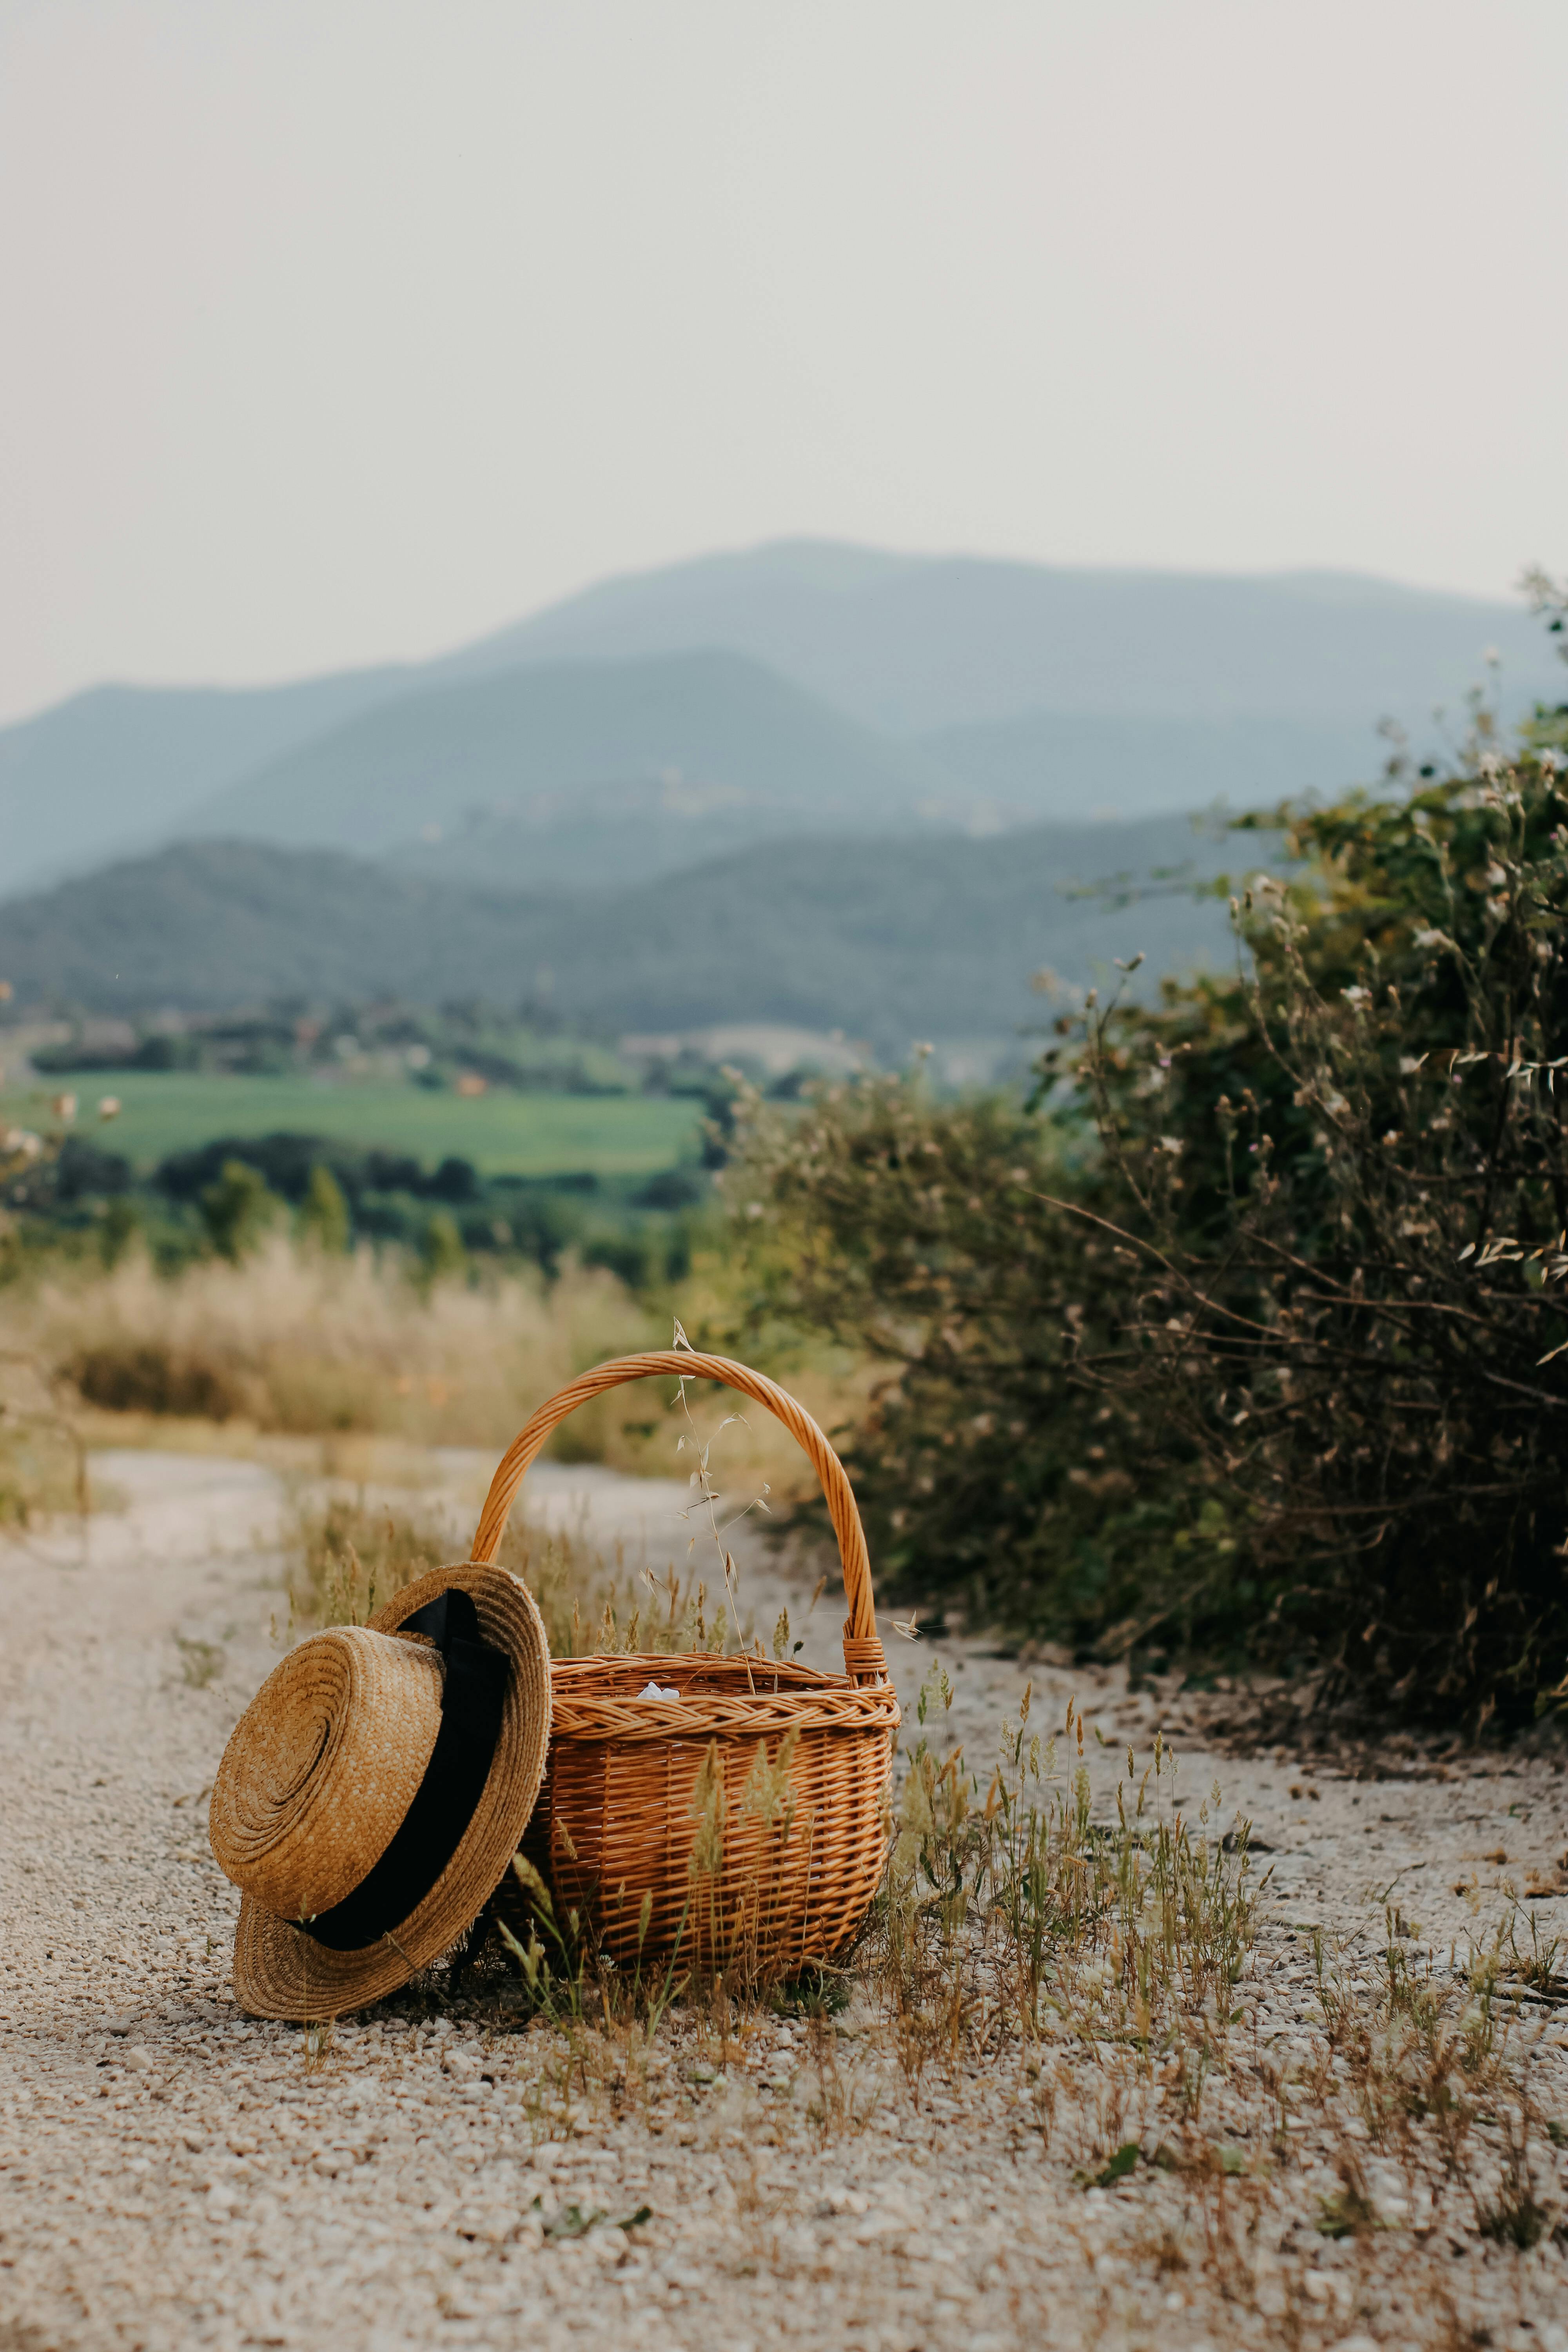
(200, 1662)
(1515, 2216)
(43, 1460)
(1351, 2212)
(349, 1558)
(1539, 1967)
(1010, 1908)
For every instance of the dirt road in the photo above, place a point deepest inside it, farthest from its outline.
(173, 2174)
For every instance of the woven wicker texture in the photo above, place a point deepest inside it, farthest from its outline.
(296, 1810)
(742, 1823)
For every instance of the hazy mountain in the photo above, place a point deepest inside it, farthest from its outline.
(578, 772)
(914, 642)
(609, 834)
(1016, 690)
(1069, 766)
(126, 761)
(890, 939)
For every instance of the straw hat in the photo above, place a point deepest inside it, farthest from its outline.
(376, 1787)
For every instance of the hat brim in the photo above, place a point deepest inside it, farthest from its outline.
(281, 1971)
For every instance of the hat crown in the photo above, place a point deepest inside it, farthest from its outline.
(323, 1767)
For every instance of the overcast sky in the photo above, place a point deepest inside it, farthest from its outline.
(335, 331)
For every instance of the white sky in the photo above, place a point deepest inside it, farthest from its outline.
(338, 331)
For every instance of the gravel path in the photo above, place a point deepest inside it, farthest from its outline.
(172, 2173)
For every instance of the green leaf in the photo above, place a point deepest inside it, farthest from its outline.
(1115, 2167)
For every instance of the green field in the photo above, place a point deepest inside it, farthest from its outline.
(502, 1134)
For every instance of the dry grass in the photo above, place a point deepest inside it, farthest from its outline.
(1131, 1969)
(1010, 1916)
(40, 1473)
(43, 1461)
(349, 1557)
(293, 1342)
(1124, 1973)
(291, 1352)
(1013, 1916)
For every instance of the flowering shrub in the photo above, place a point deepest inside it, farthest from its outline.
(1253, 1332)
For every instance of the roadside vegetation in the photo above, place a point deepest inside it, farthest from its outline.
(349, 1557)
(1247, 1338)
(288, 1339)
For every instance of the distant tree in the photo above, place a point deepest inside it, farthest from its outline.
(117, 1229)
(324, 1218)
(441, 1248)
(455, 1182)
(238, 1211)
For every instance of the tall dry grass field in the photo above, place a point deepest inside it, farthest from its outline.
(293, 1340)
(295, 1343)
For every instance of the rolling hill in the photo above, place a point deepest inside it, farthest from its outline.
(578, 772)
(891, 940)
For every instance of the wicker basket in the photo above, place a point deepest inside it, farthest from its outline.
(788, 1765)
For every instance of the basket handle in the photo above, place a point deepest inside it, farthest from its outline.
(864, 1659)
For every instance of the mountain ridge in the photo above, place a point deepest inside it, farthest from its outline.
(66, 773)
(534, 742)
(949, 640)
(891, 939)
(1063, 666)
